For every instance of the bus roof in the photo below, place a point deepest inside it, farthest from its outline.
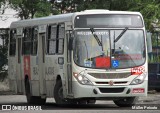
(42, 21)
(62, 18)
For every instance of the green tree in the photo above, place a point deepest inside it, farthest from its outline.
(31, 8)
(150, 10)
(66, 6)
(3, 52)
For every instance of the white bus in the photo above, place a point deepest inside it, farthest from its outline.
(80, 57)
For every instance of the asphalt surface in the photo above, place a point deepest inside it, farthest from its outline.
(18, 103)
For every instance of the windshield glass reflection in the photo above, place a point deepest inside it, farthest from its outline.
(98, 49)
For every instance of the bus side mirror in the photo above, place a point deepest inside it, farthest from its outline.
(70, 44)
(149, 42)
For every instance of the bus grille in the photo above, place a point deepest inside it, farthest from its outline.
(115, 83)
(110, 75)
(111, 90)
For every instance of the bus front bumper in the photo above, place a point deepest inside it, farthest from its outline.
(87, 91)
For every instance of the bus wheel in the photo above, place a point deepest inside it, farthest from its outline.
(126, 102)
(58, 94)
(32, 99)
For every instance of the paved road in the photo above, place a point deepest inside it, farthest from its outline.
(153, 100)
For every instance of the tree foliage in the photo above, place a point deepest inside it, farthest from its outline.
(3, 51)
(150, 9)
(31, 8)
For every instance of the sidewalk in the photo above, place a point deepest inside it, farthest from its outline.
(150, 99)
(4, 85)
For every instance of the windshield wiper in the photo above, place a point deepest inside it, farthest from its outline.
(96, 37)
(86, 48)
(121, 34)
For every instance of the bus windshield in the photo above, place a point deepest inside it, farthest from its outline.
(104, 52)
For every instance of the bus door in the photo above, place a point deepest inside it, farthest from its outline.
(41, 59)
(18, 61)
(55, 56)
(69, 61)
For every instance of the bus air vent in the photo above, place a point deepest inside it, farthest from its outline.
(123, 82)
(110, 75)
(111, 90)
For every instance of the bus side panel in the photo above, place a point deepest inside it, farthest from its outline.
(54, 60)
(12, 74)
(22, 76)
(32, 73)
(51, 72)
(34, 82)
(19, 66)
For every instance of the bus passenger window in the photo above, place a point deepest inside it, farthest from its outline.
(27, 41)
(12, 48)
(55, 40)
(51, 41)
(60, 41)
(35, 41)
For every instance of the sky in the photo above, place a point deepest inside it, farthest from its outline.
(7, 18)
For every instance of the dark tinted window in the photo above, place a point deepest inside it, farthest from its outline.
(35, 41)
(61, 35)
(52, 36)
(12, 48)
(30, 41)
(55, 41)
(27, 41)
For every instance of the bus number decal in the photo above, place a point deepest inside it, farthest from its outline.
(35, 70)
(27, 70)
(49, 71)
(138, 90)
(137, 70)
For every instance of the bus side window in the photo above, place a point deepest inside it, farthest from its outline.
(51, 40)
(27, 41)
(34, 40)
(12, 48)
(60, 40)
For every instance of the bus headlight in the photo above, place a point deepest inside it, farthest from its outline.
(139, 79)
(82, 79)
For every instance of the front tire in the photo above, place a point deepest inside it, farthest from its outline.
(32, 99)
(126, 102)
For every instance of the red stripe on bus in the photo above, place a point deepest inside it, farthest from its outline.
(27, 68)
